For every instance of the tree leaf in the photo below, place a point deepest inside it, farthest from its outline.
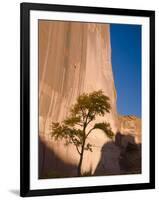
(105, 127)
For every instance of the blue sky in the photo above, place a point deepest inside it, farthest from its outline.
(126, 63)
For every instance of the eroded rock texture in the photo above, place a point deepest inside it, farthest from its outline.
(130, 144)
(130, 125)
(73, 58)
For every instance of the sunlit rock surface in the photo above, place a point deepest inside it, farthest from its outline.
(130, 125)
(73, 58)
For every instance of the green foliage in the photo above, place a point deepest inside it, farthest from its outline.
(84, 111)
(105, 127)
(71, 135)
(90, 105)
(72, 120)
(74, 129)
(64, 131)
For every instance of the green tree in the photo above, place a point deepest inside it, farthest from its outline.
(75, 130)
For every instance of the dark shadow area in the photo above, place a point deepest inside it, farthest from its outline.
(51, 166)
(109, 161)
(122, 156)
(15, 192)
(130, 159)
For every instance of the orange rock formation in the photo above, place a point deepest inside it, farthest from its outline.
(74, 58)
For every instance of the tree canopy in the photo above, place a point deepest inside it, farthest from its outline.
(74, 129)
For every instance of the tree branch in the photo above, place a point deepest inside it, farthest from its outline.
(87, 116)
(89, 131)
(78, 150)
(76, 146)
(89, 121)
(83, 115)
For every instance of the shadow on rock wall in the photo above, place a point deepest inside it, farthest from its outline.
(51, 166)
(122, 156)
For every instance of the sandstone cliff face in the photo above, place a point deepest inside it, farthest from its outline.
(129, 140)
(73, 58)
(123, 155)
(130, 125)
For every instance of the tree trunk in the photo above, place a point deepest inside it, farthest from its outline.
(80, 161)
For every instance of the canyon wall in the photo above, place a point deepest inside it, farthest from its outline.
(73, 58)
(124, 152)
(130, 125)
